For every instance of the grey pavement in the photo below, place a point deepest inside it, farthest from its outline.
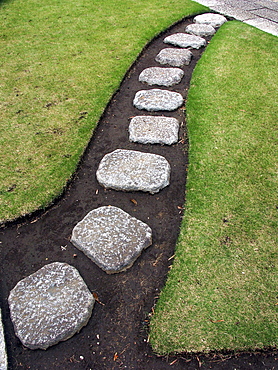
(262, 14)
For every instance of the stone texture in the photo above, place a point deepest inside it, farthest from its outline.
(208, 3)
(199, 29)
(215, 20)
(130, 170)
(184, 40)
(264, 25)
(174, 57)
(3, 354)
(269, 14)
(231, 11)
(157, 100)
(243, 11)
(154, 130)
(111, 238)
(161, 76)
(50, 305)
(270, 4)
(243, 4)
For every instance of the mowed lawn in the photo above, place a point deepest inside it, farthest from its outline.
(60, 63)
(221, 293)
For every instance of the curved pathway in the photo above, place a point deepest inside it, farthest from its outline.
(116, 335)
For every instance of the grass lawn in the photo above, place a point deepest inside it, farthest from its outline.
(222, 290)
(60, 62)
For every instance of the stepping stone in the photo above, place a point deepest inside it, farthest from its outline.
(50, 305)
(161, 76)
(214, 20)
(3, 354)
(174, 57)
(111, 238)
(156, 100)
(184, 40)
(130, 170)
(199, 29)
(154, 130)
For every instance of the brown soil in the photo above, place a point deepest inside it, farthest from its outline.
(116, 335)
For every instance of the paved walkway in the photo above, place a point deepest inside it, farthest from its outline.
(262, 14)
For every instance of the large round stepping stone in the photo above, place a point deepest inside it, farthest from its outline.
(184, 40)
(3, 354)
(174, 57)
(161, 76)
(154, 130)
(50, 305)
(130, 170)
(111, 238)
(214, 20)
(157, 100)
(199, 29)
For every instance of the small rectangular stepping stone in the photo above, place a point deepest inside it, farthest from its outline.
(200, 29)
(161, 76)
(3, 354)
(174, 57)
(154, 130)
(157, 100)
(130, 170)
(50, 305)
(214, 20)
(184, 40)
(111, 238)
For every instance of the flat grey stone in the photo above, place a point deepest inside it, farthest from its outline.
(154, 130)
(3, 354)
(270, 4)
(269, 14)
(199, 29)
(209, 3)
(174, 57)
(243, 4)
(215, 20)
(50, 305)
(264, 25)
(161, 76)
(130, 170)
(184, 40)
(111, 238)
(236, 13)
(156, 100)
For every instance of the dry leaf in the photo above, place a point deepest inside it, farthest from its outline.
(95, 295)
(173, 362)
(115, 356)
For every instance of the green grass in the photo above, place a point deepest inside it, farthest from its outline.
(59, 59)
(221, 293)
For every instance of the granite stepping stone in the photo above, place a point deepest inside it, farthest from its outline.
(174, 57)
(184, 40)
(157, 100)
(130, 170)
(111, 238)
(154, 130)
(200, 29)
(3, 354)
(214, 20)
(161, 76)
(50, 305)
